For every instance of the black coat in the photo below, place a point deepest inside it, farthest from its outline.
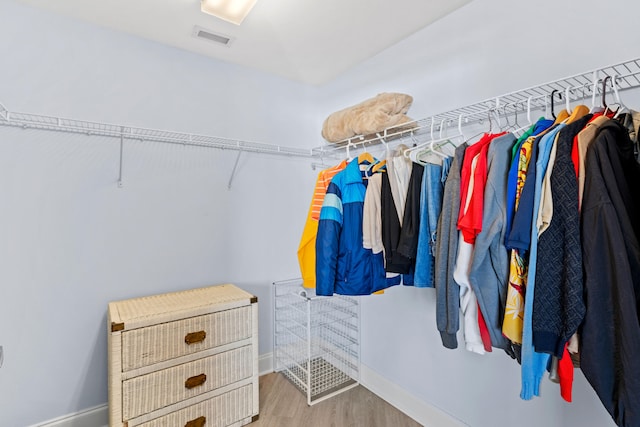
(401, 242)
(610, 228)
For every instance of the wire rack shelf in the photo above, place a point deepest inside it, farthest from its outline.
(58, 124)
(625, 75)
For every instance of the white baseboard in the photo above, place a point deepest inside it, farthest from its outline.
(424, 413)
(265, 364)
(98, 416)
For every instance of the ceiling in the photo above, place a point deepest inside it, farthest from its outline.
(310, 41)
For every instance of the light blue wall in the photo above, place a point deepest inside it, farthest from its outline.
(72, 240)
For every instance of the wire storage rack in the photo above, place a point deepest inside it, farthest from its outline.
(316, 340)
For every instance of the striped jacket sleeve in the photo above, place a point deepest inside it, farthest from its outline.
(328, 240)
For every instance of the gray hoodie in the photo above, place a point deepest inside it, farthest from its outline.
(446, 251)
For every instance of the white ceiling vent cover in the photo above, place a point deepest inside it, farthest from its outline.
(210, 36)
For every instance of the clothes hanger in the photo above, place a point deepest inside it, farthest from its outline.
(605, 107)
(377, 165)
(349, 158)
(594, 94)
(441, 128)
(489, 111)
(562, 114)
(516, 125)
(567, 100)
(530, 123)
(419, 152)
(410, 153)
(419, 149)
(508, 125)
(446, 140)
(553, 113)
(578, 112)
(433, 146)
(460, 126)
(365, 156)
(622, 108)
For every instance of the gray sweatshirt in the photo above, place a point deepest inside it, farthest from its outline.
(489, 273)
(446, 251)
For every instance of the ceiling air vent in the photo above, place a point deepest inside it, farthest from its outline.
(217, 38)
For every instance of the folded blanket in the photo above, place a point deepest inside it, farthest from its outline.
(385, 111)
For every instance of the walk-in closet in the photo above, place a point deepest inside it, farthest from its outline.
(185, 242)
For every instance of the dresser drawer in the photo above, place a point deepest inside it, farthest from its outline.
(165, 341)
(220, 411)
(159, 389)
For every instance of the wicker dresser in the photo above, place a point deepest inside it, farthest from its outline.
(186, 358)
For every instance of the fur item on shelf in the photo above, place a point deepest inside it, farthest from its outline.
(386, 110)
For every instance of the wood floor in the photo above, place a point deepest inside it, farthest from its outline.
(283, 405)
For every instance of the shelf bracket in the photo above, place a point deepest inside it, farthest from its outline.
(234, 170)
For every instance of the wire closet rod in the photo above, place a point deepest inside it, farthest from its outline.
(581, 86)
(36, 121)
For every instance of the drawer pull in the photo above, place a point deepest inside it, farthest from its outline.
(195, 337)
(196, 381)
(198, 422)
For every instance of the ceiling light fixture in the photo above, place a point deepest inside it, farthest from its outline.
(233, 11)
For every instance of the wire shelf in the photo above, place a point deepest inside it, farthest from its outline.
(316, 340)
(581, 86)
(58, 124)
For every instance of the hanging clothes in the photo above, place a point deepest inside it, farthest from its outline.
(518, 241)
(519, 169)
(610, 338)
(446, 249)
(372, 234)
(399, 207)
(431, 198)
(508, 249)
(584, 140)
(470, 218)
(468, 301)
(558, 306)
(545, 209)
(631, 121)
(561, 367)
(534, 363)
(343, 265)
(473, 178)
(558, 300)
(307, 247)
(489, 272)
(409, 237)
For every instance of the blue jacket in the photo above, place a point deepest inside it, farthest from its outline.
(343, 265)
